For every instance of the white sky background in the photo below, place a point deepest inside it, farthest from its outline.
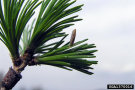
(110, 24)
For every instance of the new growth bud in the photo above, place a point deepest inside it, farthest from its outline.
(73, 37)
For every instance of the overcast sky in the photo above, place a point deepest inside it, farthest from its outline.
(110, 24)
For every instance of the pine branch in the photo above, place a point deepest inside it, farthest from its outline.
(33, 46)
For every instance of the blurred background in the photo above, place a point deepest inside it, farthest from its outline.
(110, 24)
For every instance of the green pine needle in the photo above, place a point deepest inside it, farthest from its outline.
(53, 18)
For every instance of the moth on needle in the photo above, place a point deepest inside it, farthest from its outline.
(72, 39)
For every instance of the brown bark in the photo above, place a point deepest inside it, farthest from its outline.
(10, 79)
(13, 76)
